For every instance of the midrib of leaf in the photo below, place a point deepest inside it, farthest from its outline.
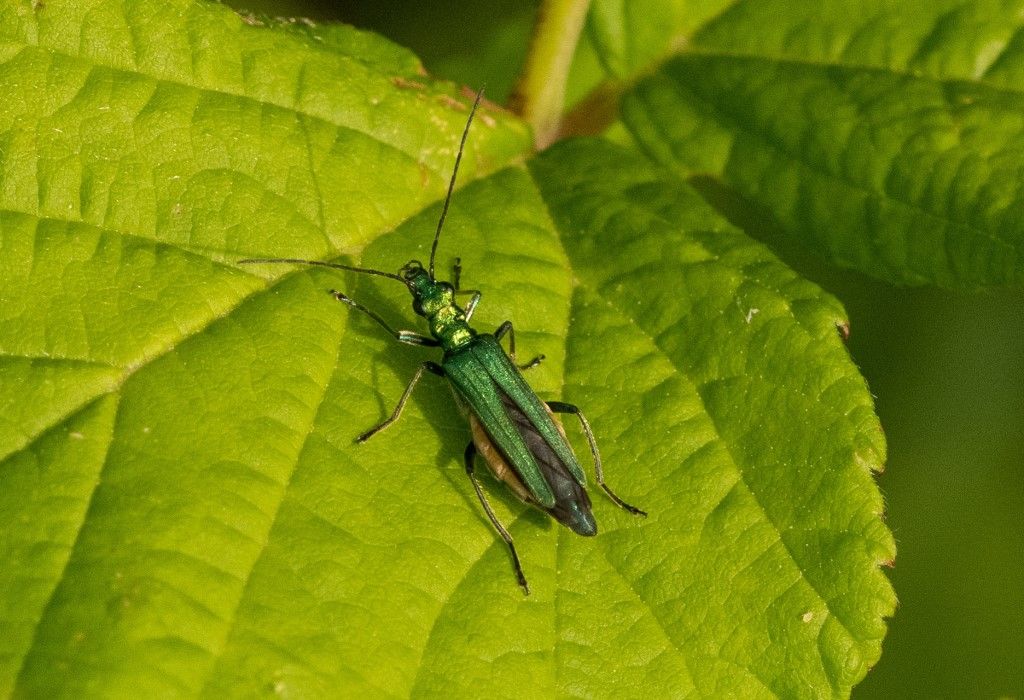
(315, 177)
(697, 42)
(677, 647)
(465, 580)
(255, 97)
(130, 369)
(28, 437)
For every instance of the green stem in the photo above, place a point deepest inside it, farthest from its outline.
(539, 96)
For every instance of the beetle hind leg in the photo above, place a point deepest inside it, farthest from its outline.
(561, 407)
(470, 455)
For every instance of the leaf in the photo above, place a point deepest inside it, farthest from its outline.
(887, 137)
(623, 39)
(185, 511)
(628, 36)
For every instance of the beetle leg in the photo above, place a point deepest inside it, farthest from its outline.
(470, 455)
(475, 295)
(473, 301)
(506, 327)
(533, 363)
(560, 407)
(426, 366)
(408, 337)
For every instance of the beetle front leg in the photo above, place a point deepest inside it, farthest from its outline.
(473, 301)
(426, 366)
(561, 407)
(407, 337)
(506, 327)
(470, 454)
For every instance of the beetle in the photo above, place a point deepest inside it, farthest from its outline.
(512, 429)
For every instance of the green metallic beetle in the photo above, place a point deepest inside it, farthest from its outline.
(512, 429)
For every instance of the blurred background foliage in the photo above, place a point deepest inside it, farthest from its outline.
(947, 370)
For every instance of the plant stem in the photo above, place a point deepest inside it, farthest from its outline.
(539, 95)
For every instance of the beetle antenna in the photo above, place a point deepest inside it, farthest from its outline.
(320, 263)
(451, 183)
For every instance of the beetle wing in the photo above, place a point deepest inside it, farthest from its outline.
(496, 462)
(572, 504)
(495, 391)
(507, 376)
(470, 375)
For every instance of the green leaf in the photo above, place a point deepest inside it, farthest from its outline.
(625, 38)
(887, 137)
(185, 511)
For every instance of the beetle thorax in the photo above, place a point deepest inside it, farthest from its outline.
(435, 301)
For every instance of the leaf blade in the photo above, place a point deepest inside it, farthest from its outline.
(233, 539)
(884, 138)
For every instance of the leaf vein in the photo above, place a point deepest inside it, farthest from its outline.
(74, 544)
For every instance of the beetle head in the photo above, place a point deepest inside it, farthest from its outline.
(428, 295)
